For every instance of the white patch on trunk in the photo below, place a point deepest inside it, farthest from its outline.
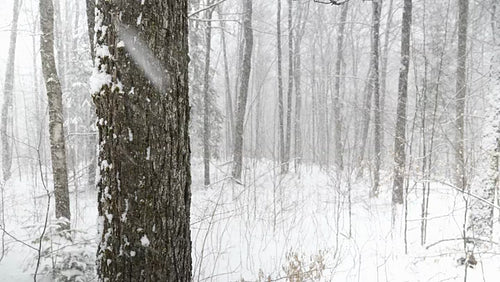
(145, 241)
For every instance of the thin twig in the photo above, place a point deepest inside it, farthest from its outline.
(206, 8)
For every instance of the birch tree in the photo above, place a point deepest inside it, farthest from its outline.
(54, 94)
(143, 111)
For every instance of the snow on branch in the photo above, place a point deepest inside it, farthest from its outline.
(332, 2)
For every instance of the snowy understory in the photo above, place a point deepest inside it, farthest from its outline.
(295, 227)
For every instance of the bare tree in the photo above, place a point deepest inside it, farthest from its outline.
(303, 13)
(206, 96)
(246, 66)
(288, 134)
(461, 93)
(375, 56)
(281, 109)
(8, 94)
(56, 129)
(400, 135)
(336, 99)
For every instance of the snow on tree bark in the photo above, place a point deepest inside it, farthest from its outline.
(54, 93)
(143, 115)
(481, 213)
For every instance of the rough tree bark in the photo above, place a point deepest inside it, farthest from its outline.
(8, 95)
(337, 107)
(56, 129)
(143, 112)
(482, 213)
(246, 66)
(400, 135)
(461, 93)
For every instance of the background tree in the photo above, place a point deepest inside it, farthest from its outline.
(375, 80)
(336, 100)
(400, 135)
(243, 90)
(8, 96)
(143, 108)
(461, 93)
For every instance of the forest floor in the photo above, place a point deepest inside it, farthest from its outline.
(276, 227)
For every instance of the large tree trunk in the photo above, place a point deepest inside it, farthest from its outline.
(206, 97)
(337, 107)
(143, 111)
(54, 93)
(376, 93)
(400, 135)
(246, 66)
(8, 96)
(281, 109)
(461, 92)
(482, 212)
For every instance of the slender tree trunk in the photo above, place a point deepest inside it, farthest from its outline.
(8, 96)
(303, 13)
(54, 93)
(461, 93)
(92, 140)
(400, 135)
(90, 9)
(288, 134)
(243, 91)
(143, 109)
(337, 107)
(383, 72)
(229, 99)
(376, 93)
(365, 127)
(206, 97)
(281, 109)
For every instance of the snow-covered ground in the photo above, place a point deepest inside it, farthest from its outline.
(280, 227)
